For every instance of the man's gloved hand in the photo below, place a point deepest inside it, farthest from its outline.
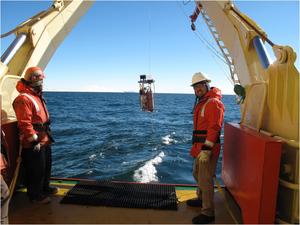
(37, 147)
(204, 155)
(34, 140)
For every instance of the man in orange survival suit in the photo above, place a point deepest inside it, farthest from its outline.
(35, 137)
(208, 119)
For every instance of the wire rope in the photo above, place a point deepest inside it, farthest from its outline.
(215, 53)
(204, 41)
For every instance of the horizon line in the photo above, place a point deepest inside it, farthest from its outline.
(122, 92)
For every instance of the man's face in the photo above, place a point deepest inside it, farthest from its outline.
(37, 86)
(200, 89)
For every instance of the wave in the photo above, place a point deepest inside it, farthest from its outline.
(167, 140)
(147, 173)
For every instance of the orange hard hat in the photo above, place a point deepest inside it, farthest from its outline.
(34, 74)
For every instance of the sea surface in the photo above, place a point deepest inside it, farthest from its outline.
(107, 136)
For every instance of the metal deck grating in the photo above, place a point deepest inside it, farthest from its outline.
(127, 195)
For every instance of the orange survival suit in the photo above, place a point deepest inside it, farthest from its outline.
(36, 118)
(208, 119)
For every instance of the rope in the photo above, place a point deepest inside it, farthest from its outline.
(226, 203)
(222, 68)
(204, 41)
(216, 54)
(149, 44)
(16, 174)
(210, 47)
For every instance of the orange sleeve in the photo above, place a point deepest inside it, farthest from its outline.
(23, 108)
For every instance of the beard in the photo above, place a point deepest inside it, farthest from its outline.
(38, 89)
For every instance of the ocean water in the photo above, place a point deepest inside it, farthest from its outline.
(107, 136)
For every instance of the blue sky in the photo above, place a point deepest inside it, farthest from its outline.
(115, 42)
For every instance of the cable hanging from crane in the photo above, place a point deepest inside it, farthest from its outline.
(204, 41)
(215, 52)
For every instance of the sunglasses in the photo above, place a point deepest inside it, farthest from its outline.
(201, 84)
(36, 76)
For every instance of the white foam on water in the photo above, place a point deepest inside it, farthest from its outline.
(147, 173)
(167, 140)
(93, 156)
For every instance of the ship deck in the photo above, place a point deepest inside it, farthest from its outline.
(23, 211)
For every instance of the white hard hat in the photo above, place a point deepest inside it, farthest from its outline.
(199, 77)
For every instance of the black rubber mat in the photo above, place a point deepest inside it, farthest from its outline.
(118, 194)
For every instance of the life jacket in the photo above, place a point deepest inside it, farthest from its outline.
(208, 120)
(32, 115)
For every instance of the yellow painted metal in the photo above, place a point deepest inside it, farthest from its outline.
(61, 191)
(44, 33)
(254, 106)
(282, 111)
(8, 93)
(184, 195)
